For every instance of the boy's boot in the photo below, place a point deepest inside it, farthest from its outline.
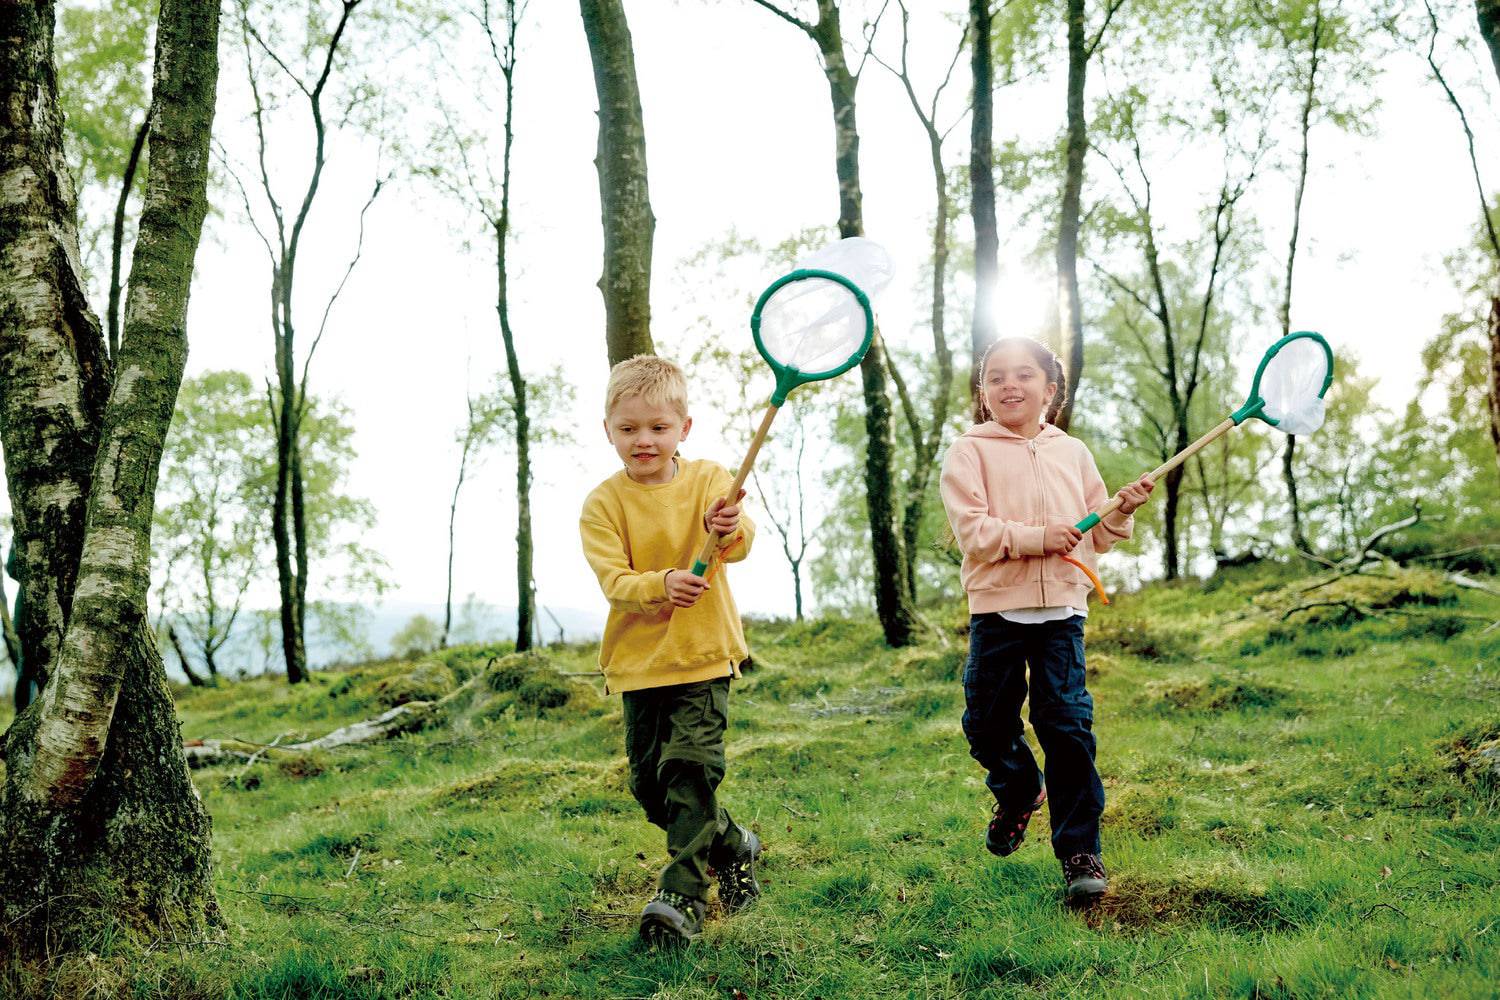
(671, 918)
(737, 884)
(1085, 877)
(1008, 827)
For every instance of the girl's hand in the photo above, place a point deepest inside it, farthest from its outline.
(724, 519)
(1135, 494)
(1060, 538)
(683, 588)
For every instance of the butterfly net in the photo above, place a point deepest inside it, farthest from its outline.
(813, 325)
(1291, 385)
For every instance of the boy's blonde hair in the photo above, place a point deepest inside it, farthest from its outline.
(656, 380)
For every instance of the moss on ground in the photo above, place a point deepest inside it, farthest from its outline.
(1295, 809)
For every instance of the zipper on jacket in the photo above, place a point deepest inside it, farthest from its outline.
(1036, 470)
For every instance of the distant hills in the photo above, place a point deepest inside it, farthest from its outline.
(357, 632)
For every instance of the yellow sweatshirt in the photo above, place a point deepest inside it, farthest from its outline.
(632, 535)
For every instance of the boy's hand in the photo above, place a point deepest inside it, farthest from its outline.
(1135, 494)
(724, 519)
(683, 588)
(1060, 538)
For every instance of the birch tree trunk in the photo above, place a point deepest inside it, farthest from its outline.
(100, 825)
(624, 197)
(893, 598)
(1069, 307)
(982, 183)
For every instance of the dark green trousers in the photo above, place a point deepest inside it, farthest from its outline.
(674, 742)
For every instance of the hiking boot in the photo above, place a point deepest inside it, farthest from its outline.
(671, 918)
(1008, 829)
(1085, 877)
(737, 885)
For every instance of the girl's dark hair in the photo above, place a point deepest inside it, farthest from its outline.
(1050, 364)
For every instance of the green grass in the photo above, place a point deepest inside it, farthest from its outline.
(1295, 811)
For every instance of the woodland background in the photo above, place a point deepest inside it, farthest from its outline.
(349, 471)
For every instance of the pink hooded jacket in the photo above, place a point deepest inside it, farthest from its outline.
(1001, 490)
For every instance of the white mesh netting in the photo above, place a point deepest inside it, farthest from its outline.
(812, 325)
(1290, 385)
(861, 260)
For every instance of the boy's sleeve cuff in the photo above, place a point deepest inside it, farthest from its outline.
(1032, 539)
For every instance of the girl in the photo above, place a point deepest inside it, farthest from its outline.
(1014, 485)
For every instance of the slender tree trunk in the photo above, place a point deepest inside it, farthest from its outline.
(1179, 404)
(797, 586)
(1069, 305)
(292, 650)
(1309, 99)
(291, 400)
(182, 658)
(100, 825)
(1488, 12)
(625, 201)
(925, 444)
(299, 544)
(525, 585)
(1494, 332)
(893, 599)
(1171, 558)
(525, 596)
(463, 468)
(982, 184)
(117, 244)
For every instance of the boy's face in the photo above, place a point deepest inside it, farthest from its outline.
(646, 437)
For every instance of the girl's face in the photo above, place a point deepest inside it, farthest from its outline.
(1016, 390)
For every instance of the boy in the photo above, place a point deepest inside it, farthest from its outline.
(672, 639)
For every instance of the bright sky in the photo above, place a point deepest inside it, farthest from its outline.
(739, 137)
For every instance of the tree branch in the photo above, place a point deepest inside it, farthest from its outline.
(1088, 51)
(1484, 205)
(791, 19)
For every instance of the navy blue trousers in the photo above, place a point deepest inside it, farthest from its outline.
(1062, 714)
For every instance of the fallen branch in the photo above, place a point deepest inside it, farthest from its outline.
(408, 718)
(412, 716)
(1364, 554)
(1468, 582)
(257, 755)
(1358, 609)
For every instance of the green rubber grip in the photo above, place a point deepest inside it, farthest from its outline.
(699, 568)
(1087, 522)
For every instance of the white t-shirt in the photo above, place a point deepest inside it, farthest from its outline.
(1035, 616)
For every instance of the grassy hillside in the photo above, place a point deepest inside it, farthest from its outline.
(1299, 807)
